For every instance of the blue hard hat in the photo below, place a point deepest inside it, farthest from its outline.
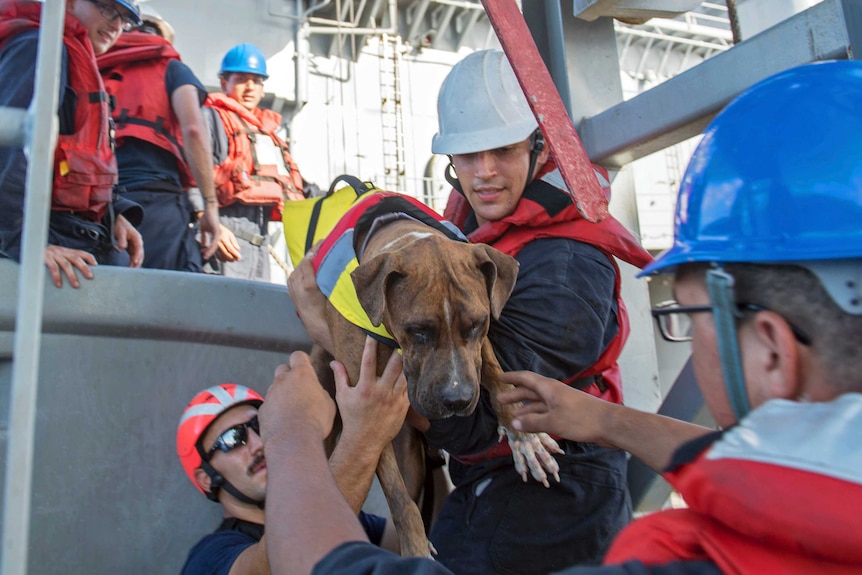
(131, 6)
(778, 174)
(244, 58)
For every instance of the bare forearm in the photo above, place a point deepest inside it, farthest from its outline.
(353, 465)
(306, 517)
(196, 142)
(650, 437)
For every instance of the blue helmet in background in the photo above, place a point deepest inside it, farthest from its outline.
(245, 59)
(778, 174)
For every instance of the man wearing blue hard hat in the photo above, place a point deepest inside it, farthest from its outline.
(768, 281)
(88, 224)
(254, 173)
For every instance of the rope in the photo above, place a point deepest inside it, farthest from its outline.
(734, 21)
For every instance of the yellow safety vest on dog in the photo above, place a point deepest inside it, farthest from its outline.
(337, 256)
(309, 221)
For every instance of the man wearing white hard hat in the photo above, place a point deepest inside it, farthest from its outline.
(565, 319)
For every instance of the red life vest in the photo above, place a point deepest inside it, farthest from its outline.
(545, 211)
(778, 493)
(240, 178)
(134, 73)
(85, 170)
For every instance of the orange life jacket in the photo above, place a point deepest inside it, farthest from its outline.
(134, 73)
(85, 169)
(240, 178)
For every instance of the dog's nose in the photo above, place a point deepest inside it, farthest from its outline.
(457, 396)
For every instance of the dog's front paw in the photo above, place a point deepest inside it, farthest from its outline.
(532, 452)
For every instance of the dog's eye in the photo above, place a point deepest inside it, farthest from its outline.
(419, 335)
(476, 329)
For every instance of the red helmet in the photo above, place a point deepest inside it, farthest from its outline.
(201, 411)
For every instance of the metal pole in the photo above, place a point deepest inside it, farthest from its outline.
(557, 45)
(28, 326)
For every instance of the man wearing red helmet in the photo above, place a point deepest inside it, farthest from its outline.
(219, 445)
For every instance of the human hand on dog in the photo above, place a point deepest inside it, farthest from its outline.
(296, 402)
(309, 301)
(553, 407)
(373, 411)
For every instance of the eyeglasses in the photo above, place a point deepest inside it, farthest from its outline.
(111, 13)
(674, 321)
(233, 437)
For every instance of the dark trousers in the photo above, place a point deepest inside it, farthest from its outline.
(495, 523)
(168, 230)
(74, 232)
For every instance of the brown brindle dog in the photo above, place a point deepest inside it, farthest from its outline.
(436, 297)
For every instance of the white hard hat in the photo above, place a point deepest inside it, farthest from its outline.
(150, 16)
(481, 106)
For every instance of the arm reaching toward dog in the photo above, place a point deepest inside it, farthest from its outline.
(306, 516)
(554, 407)
(295, 418)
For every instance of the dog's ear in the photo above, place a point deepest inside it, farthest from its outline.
(500, 271)
(371, 279)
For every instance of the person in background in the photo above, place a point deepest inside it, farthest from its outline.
(219, 445)
(163, 145)
(254, 173)
(767, 261)
(89, 224)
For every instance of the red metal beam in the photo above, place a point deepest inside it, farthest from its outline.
(536, 82)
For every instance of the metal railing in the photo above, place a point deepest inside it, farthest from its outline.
(40, 138)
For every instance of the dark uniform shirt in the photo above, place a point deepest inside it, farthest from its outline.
(216, 553)
(141, 163)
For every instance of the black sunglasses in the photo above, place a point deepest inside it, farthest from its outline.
(674, 322)
(233, 437)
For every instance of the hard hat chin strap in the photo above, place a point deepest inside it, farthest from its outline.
(719, 284)
(537, 144)
(217, 481)
(452, 177)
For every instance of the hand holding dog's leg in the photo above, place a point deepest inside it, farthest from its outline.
(531, 451)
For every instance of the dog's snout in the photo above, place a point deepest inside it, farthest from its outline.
(457, 397)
